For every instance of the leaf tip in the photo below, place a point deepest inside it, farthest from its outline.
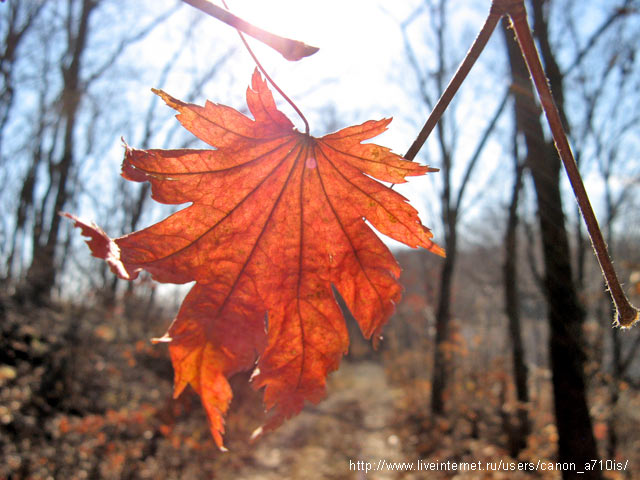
(102, 246)
(168, 99)
(437, 249)
(257, 80)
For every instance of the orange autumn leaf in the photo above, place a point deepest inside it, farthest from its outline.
(276, 218)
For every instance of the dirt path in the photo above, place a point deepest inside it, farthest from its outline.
(353, 424)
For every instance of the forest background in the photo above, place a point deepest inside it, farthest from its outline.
(465, 371)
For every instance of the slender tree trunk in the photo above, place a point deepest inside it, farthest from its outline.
(42, 271)
(441, 369)
(443, 317)
(576, 442)
(518, 440)
(451, 199)
(24, 206)
(20, 18)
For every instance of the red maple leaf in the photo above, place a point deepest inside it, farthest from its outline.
(276, 218)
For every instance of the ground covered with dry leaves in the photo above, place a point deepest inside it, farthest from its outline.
(84, 394)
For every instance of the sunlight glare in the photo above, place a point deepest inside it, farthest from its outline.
(287, 18)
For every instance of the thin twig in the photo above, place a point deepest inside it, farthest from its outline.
(464, 68)
(627, 314)
(619, 12)
(290, 49)
(480, 148)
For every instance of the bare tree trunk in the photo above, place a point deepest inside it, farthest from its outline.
(24, 206)
(518, 440)
(576, 442)
(42, 271)
(443, 319)
(438, 22)
(20, 18)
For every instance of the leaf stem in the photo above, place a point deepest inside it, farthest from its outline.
(626, 314)
(268, 77)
